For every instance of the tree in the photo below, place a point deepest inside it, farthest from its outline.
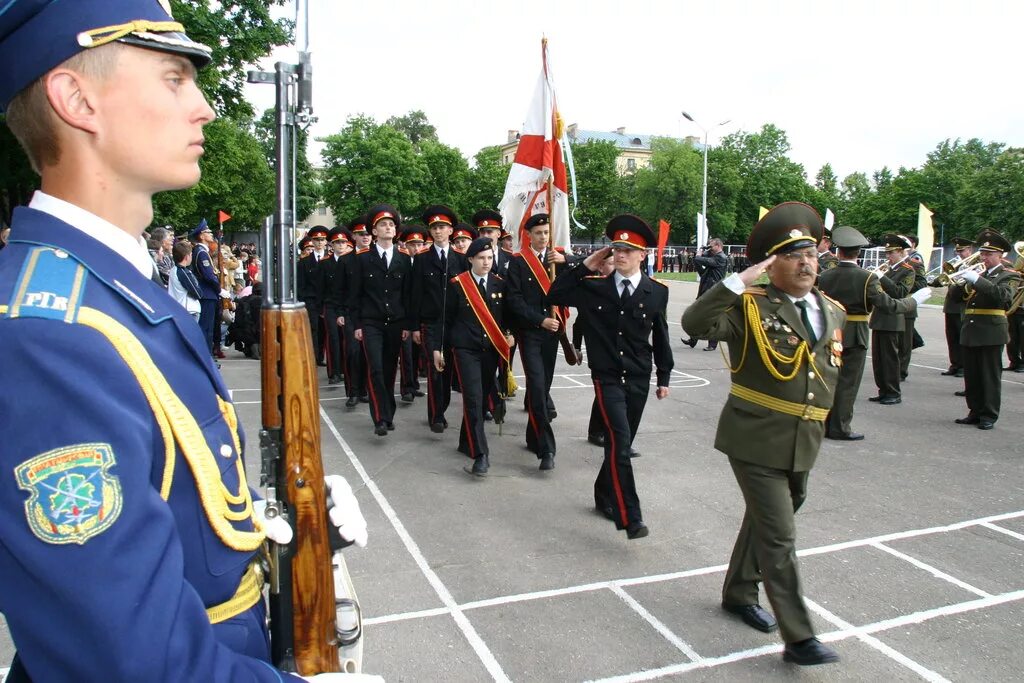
(415, 127)
(485, 185)
(853, 187)
(367, 163)
(446, 178)
(598, 186)
(993, 197)
(670, 188)
(826, 193)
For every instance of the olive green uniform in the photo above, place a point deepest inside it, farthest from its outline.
(771, 428)
(983, 336)
(860, 292)
(909, 333)
(887, 332)
(953, 312)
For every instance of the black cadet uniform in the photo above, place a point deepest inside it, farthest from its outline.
(379, 296)
(538, 347)
(860, 293)
(333, 271)
(626, 327)
(475, 357)
(355, 361)
(308, 289)
(430, 275)
(408, 360)
(985, 332)
(887, 328)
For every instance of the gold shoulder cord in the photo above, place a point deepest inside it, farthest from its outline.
(752, 321)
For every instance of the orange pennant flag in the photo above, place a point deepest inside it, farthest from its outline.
(223, 216)
(663, 228)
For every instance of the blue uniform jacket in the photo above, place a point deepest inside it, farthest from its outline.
(115, 538)
(202, 264)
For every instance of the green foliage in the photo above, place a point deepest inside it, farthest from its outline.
(670, 188)
(598, 187)
(994, 197)
(445, 181)
(414, 126)
(486, 183)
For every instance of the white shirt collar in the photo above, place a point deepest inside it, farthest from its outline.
(812, 301)
(124, 245)
(382, 250)
(634, 280)
(441, 251)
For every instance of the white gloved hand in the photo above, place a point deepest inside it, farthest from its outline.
(922, 295)
(345, 678)
(277, 529)
(970, 275)
(343, 509)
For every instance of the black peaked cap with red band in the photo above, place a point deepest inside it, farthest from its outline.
(630, 231)
(439, 213)
(378, 213)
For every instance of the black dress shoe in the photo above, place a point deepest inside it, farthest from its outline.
(1010, 368)
(418, 392)
(753, 616)
(351, 402)
(890, 401)
(985, 424)
(596, 439)
(875, 399)
(692, 343)
(634, 453)
(960, 393)
(380, 429)
(950, 372)
(637, 530)
(437, 427)
(488, 416)
(390, 425)
(407, 398)
(809, 652)
(334, 379)
(547, 461)
(552, 414)
(481, 465)
(852, 436)
(960, 372)
(364, 399)
(969, 420)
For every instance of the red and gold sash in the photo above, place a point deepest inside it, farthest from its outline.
(539, 272)
(483, 313)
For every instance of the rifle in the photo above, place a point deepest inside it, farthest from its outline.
(303, 613)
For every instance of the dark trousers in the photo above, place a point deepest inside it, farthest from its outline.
(439, 384)
(596, 425)
(907, 347)
(313, 311)
(538, 351)
(621, 405)
(335, 341)
(408, 370)
(355, 363)
(954, 321)
(885, 360)
(475, 369)
(983, 367)
(1013, 347)
(850, 374)
(381, 345)
(208, 320)
(765, 549)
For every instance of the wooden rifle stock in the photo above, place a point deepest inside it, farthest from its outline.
(568, 350)
(302, 609)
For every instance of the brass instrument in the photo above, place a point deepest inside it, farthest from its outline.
(883, 268)
(954, 269)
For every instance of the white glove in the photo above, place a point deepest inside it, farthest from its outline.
(343, 509)
(345, 678)
(277, 529)
(970, 275)
(225, 294)
(922, 295)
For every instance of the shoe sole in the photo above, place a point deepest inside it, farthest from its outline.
(640, 533)
(816, 662)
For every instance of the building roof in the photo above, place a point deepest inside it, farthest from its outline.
(621, 138)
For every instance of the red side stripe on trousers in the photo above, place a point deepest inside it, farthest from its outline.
(611, 439)
(374, 407)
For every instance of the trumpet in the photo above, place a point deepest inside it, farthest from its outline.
(954, 268)
(883, 268)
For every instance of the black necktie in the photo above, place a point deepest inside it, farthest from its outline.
(384, 258)
(442, 255)
(481, 283)
(625, 291)
(806, 319)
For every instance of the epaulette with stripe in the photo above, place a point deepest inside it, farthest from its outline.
(830, 299)
(658, 282)
(906, 265)
(362, 251)
(756, 291)
(594, 277)
(496, 276)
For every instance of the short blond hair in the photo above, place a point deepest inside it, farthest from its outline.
(30, 116)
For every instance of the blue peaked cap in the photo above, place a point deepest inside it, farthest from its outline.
(199, 228)
(38, 35)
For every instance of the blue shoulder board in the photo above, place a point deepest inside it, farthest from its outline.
(50, 285)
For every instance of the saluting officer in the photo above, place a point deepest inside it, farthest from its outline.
(860, 293)
(431, 272)
(411, 242)
(626, 328)
(785, 350)
(537, 330)
(333, 272)
(379, 295)
(887, 327)
(953, 312)
(131, 543)
(479, 339)
(985, 329)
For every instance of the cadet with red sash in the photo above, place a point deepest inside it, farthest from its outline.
(626, 328)
(475, 331)
(537, 330)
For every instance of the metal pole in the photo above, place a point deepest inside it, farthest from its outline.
(704, 200)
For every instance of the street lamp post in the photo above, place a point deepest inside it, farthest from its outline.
(704, 192)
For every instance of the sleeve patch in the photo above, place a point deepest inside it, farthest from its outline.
(73, 495)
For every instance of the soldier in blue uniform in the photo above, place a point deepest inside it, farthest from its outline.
(130, 535)
(209, 283)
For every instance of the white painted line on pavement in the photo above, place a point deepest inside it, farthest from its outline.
(403, 616)
(875, 643)
(937, 573)
(475, 641)
(708, 663)
(1003, 530)
(661, 628)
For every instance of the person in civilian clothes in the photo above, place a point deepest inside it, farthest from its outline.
(182, 284)
(985, 329)
(355, 362)
(308, 284)
(135, 546)
(626, 329)
(537, 330)
(333, 275)
(860, 293)
(479, 339)
(711, 267)
(887, 327)
(379, 295)
(411, 242)
(953, 312)
(431, 273)
(785, 349)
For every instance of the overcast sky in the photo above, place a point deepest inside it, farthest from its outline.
(860, 84)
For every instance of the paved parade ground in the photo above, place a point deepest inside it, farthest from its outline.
(911, 541)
